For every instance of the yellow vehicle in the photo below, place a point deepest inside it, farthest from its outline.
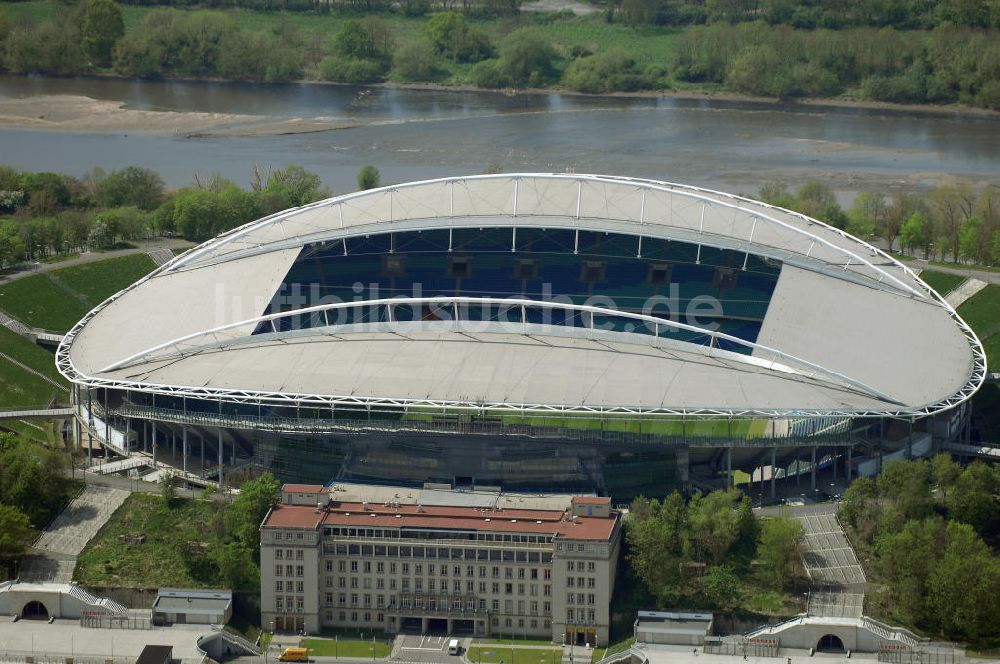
(294, 655)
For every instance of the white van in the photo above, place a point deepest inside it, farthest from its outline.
(453, 648)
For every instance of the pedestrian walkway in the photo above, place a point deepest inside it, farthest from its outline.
(838, 582)
(964, 291)
(160, 255)
(79, 522)
(53, 556)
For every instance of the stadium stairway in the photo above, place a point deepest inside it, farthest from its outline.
(108, 605)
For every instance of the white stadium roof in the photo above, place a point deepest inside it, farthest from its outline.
(848, 330)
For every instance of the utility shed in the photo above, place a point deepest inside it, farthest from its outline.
(183, 605)
(156, 655)
(673, 627)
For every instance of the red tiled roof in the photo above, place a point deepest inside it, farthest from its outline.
(303, 488)
(293, 516)
(591, 500)
(377, 515)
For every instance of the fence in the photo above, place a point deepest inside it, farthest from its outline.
(115, 622)
(36, 657)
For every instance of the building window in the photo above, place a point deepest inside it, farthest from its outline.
(277, 535)
(298, 603)
(277, 570)
(329, 599)
(570, 566)
(380, 568)
(277, 586)
(548, 574)
(278, 604)
(570, 581)
(590, 567)
(368, 567)
(569, 615)
(508, 573)
(508, 588)
(300, 570)
(278, 554)
(299, 555)
(354, 565)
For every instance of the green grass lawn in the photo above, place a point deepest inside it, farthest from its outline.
(942, 282)
(38, 358)
(346, 648)
(515, 642)
(172, 554)
(514, 655)
(22, 388)
(57, 300)
(982, 313)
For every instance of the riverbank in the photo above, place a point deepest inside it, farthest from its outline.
(81, 113)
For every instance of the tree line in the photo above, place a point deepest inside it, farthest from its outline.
(711, 552)
(930, 528)
(811, 14)
(46, 214)
(905, 52)
(951, 222)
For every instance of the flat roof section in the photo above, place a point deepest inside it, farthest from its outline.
(529, 522)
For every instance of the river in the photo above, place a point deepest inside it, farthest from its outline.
(413, 134)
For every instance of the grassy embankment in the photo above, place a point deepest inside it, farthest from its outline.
(171, 554)
(56, 300)
(942, 282)
(982, 313)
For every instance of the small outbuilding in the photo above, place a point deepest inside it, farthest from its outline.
(673, 627)
(192, 606)
(156, 655)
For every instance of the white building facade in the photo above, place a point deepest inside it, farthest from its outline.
(485, 570)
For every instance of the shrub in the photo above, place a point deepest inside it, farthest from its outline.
(606, 72)
(416, 62)
(455, 39)
(351, 70)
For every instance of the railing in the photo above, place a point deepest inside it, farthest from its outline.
(465, 427)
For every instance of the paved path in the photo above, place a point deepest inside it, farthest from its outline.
(53, 557)
(143, 247)
(964, 291)
(982, 275)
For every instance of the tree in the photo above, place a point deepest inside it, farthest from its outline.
(248, 510)
(860, 508)
(906, 560)
(416, 61)
(780, 551)
(368, 177)
(963, 586)
(721, 587)
(913, 235)
(15, 532)
(30, 477)
(455, 39)
(354, 40)
(132, 185)
(867, 214)
(168, 489)
(974, 501)
(944, 472)
(103, 26)
(908, 485)
(297, 184)
(718, 522)
(658, 537)
(236, 566)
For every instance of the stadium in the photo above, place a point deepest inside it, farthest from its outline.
(527, 331)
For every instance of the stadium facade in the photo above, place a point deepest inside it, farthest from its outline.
(529, 331)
